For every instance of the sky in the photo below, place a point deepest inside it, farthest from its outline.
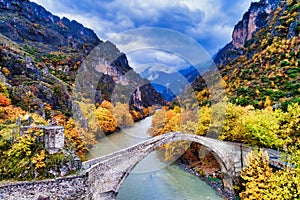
(159, 37)
(209, 22)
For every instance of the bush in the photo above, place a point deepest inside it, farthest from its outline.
(4, 101)
(284, 63)
(5, 71)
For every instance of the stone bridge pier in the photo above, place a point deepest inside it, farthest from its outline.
(106, 175)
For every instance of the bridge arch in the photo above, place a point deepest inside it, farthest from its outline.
(106, 178)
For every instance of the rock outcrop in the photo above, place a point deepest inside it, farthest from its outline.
(253, 20)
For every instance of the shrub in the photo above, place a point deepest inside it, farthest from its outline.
(284, 63)
(5, 71)
(4, 101)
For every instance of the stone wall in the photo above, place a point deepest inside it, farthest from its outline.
(53, 137)
(73, 187)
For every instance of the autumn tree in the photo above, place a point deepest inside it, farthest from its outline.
(122, 115)
(60, 119)
(261, 128)
(106, 120)
(158, 122)
(80, 138)
(255, 177)
(5, 71)
(289, 128)
(3, 90)
(286, 183)
(88, 111)
(107, 105)
(136, 115)
(4, 101)
(233, 128)
(204, 120)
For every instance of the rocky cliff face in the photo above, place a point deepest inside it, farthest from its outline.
(117, 81)
(253, 20)
(40, 55)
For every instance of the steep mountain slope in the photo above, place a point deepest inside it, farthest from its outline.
(40, 55)
(253, 20)
(261, 64)
(26, 22)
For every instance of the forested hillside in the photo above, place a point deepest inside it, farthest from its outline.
(40, 58)
(260, 67)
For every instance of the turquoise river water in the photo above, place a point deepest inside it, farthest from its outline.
(152, 178)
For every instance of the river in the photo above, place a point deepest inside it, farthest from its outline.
(152, 178)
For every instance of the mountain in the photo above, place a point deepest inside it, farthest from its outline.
(41, 54)
(171, 83)
(253, 20)
(260, 66)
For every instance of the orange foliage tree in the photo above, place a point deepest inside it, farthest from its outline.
(4, 101)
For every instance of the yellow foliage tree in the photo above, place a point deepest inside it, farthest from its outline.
(89, 113)
(261, 128)
(79, 137)
(107, 105)
(158, 122)
(233, 128)
(106, 120)
(256, 175)
(136, 115)
(268, 102)
(286, 183)
(122, 115)
(39, 160)
(175, 149)
(204, 120)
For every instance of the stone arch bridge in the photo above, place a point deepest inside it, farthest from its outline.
(102, 177)
(105, 175)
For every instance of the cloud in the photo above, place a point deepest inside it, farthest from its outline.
(158, 60)
(209, 22)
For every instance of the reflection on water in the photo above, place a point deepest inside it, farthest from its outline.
(152, 178)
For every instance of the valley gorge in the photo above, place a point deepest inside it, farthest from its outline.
(56, 74)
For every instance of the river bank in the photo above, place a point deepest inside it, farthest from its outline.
(214, 183)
